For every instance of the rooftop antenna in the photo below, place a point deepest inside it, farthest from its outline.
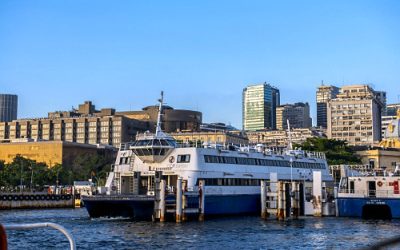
(158, 127)
(290, 145)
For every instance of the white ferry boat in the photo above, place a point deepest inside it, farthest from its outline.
(231, 174)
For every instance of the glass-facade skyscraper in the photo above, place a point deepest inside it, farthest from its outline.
(8, 107)
(259, 107)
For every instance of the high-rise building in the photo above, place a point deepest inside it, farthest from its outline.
(355, 115)
(259, 107)
(298, 115)
(391, 109)
(8, 107)
(324, 94)
(381, 95)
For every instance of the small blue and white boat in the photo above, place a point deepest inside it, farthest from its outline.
(376, 196)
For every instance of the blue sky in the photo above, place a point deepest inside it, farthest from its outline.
(121, 54)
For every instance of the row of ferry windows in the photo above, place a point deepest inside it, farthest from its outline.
(261, 162)
(230, 182)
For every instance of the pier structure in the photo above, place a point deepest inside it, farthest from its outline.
(180, 205)
(291, 199)
(280, 198)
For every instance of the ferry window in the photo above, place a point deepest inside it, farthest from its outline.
(241, 161)
(229, 160)
(156, 142)
(252, 161)
(183, 158)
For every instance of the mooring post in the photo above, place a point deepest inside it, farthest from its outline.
(184, 200)
(317, 193)
(335, 193)
(202, 193)
(162, 200)
(178, 217)
(281, 201)
(157, 198)
(294, 200)
(264, 213)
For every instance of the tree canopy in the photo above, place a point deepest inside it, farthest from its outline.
(336, 151)
(29, 173)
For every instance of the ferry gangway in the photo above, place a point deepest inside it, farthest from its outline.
(30, 226)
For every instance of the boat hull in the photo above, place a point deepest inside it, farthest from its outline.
(142, 209)
(375, 207)
(139, 208)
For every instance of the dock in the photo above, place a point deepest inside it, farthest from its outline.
(35, 201)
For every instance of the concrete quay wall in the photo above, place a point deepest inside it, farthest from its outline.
(35, 201)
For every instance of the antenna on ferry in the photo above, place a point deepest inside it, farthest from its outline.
(290, 146)
(158, 127)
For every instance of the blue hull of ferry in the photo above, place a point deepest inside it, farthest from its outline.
(143, 210)
(358, 207)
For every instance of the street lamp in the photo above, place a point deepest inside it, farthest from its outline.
(20, 181)
(31, 177)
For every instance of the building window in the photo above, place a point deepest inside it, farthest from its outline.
(371, 163)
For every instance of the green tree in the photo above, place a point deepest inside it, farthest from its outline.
(336, 151)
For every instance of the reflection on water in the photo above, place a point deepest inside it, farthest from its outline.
(224, 233)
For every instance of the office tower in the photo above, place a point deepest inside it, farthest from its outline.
(259, 107)
(355, 115)
(298, 115)
(8, 107)
(381, 95)
(391, 109)
(324, 94)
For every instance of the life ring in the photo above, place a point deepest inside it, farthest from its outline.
(171, 159)
(380, 183)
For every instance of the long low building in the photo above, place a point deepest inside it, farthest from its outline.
(280, 138)
(52, 152)
(379, 158)
(219, 137)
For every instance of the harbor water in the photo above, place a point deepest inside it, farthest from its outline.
(219, 233)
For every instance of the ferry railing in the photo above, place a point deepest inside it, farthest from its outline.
(371, 193)
(42, 225)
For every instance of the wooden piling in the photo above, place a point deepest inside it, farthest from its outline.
(162, 200)
(295, 200)
(201, 199)
(264, 213)
(281, 202)
(178, 217)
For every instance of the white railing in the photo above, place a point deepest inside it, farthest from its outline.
(304, 154)
(371, 193)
